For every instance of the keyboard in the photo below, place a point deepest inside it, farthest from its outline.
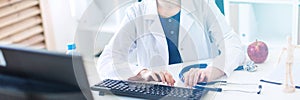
(147, 90)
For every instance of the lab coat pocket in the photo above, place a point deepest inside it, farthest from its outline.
(151, 50)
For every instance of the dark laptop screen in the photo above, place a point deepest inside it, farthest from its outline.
(49, 69)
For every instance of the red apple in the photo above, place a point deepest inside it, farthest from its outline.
(258, 51)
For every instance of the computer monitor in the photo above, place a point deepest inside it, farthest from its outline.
(40, 74)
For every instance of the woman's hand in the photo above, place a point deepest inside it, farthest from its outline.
(195, 75)
(147, 75)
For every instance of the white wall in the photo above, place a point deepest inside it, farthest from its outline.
(64, 25)
(66, 15)
(97, 25)
(78, 21)
(270, 23)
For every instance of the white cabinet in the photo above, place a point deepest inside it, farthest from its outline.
(267, 20)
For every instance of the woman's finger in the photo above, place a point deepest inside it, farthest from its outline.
(191, 78)
(171, 81)
(162, 77)
(196, 76)
(169, 78)
(154, 76)
(186, 78)
(202, 76)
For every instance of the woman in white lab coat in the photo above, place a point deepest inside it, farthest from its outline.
(141, 44)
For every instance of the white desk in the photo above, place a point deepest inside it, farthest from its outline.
(269, 91)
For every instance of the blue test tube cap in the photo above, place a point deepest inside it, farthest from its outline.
(71, 46)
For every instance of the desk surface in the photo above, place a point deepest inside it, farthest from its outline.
(269, 91)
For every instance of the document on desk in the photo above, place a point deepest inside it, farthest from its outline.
(278, 74)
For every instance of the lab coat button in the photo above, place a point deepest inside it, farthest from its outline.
(172, 32)
(181, 49)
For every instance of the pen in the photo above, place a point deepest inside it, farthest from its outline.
(208, 88)
(224, 83)
(220, 89)
(277, 83)
(210, 83)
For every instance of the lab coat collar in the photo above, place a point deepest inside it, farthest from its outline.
(185, 24)
(151, 14)
(151, 9)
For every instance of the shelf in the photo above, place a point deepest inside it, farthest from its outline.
(262, 1)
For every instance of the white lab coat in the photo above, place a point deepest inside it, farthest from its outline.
(203, 34)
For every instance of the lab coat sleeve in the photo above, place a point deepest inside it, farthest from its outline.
(113, 62)
(227, 41)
